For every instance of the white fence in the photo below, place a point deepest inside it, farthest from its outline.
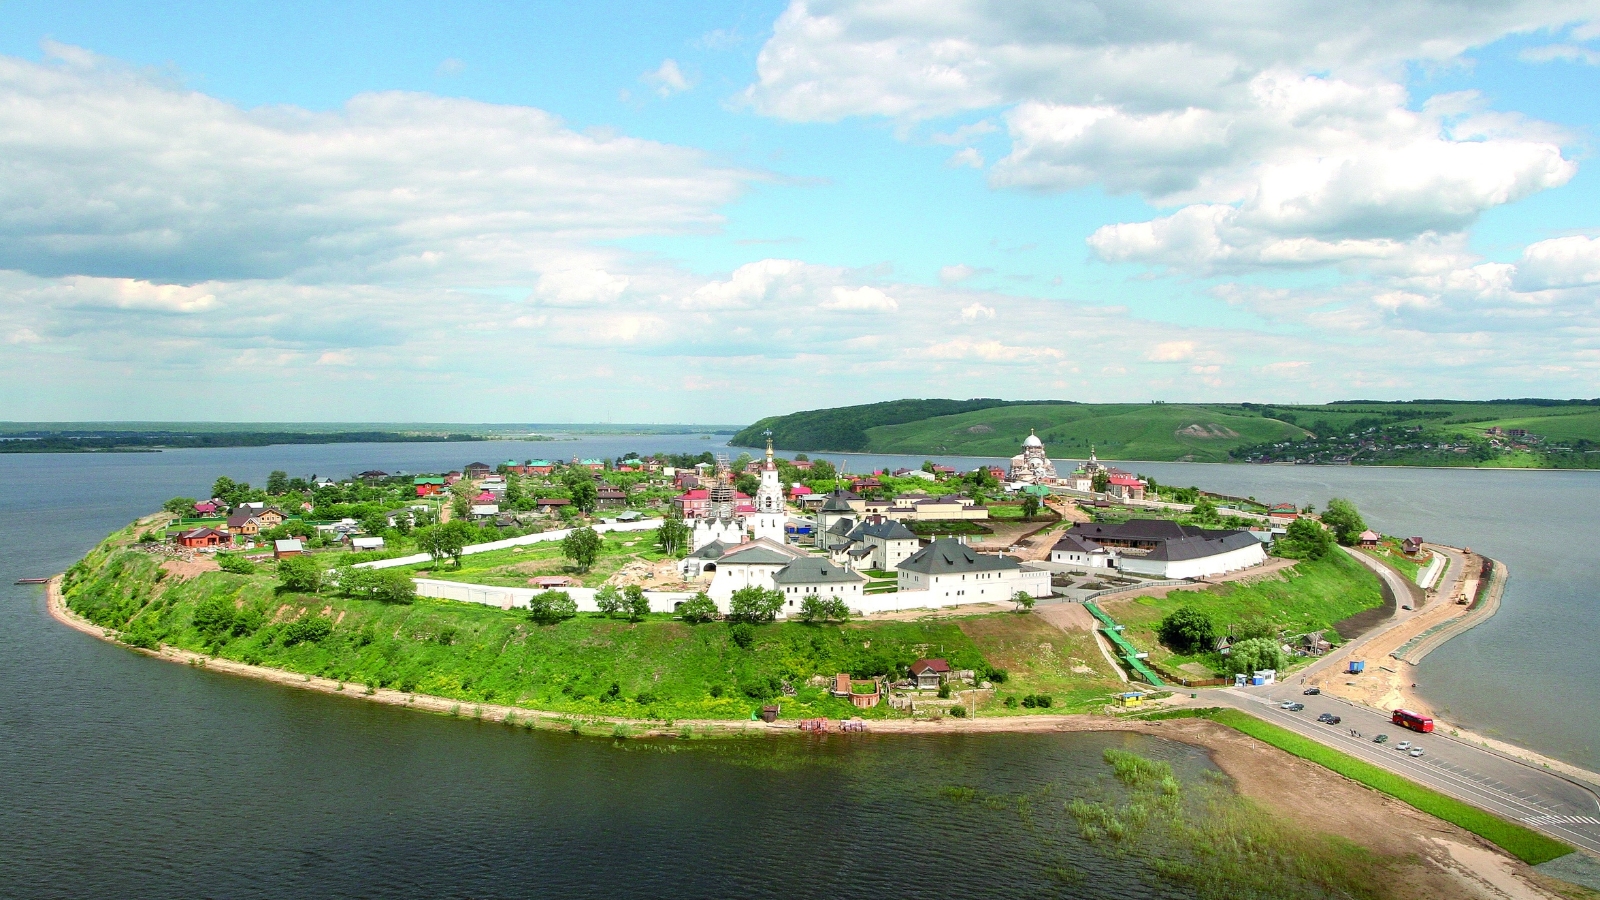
(541, 537)
(517, 598)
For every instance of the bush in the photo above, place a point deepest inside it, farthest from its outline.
(635, 602)
(1304, 539)
(1188, 629)
(697, 609)
(300, 573)
(1037, 701)
(959, 712)
(944, 690)
(550, 607)
(754, 604)
(1011, 702)
(238, 565)
(743, 634)
(999, 676)
(393, 586)
(308, 630)
(213, 617)
(608, 599)
(1254, 654)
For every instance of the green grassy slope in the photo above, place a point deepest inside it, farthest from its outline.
(1117, 431)
(657, 668)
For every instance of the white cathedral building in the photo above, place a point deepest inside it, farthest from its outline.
(1031, 466)
(722, 523)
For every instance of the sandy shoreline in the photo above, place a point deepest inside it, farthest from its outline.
(1443, 861)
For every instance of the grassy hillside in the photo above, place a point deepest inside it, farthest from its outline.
(1116, 431)
(657, 668)
(1564, 433)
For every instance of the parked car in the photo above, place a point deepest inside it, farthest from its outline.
(1403, 745)
(1312, 691)
(1380, 739)
(1416, 751)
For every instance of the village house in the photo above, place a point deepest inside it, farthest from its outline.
(270, 517)
(207, 508)
(373, 475)
(1124, 487)
(551, 504)
(1411, 546)
(428, 485)
(244, 524)
(593, 465)
(1368, 538)
(287, 547)
(197, 538)
(930, 673)
(366, 542)
(477, 470)
(610, 496)
(914, 508)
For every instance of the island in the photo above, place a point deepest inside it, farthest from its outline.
(675, 597)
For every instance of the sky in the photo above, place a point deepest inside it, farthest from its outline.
(713, 212)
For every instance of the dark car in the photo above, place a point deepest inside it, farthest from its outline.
(1334, 720)
(1296, 707)
(1325, 717)
(1312, 691)
(1380, 739)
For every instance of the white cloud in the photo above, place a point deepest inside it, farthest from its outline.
(1171, 351)
(956, 274)
(991, 351)
(861, 299)
(1563, 53)
(111, 172)
(667, 78)
(23, 336)
(965, 159)
(129, 293)
(450, 66)
(927, 58)
(976, 311)
(580, 287)
(1559, 263)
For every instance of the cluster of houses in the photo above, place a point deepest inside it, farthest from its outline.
(246, 521)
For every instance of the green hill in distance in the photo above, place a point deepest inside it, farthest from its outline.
(1532, 433)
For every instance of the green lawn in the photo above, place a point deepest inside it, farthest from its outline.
(1312, 595)
(1389, 552)
(515, 566)
(1116, 431)
(1524, 843)
(658, 668)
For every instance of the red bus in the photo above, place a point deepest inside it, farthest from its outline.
(1405, 718)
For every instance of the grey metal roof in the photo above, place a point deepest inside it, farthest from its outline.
(815, 571)
(887, 530)
(713, 550)
(950, 556)
(1071, 543)
(841, 527)
(1201, 547)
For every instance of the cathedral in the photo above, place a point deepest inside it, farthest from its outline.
(722, 521)
(1031, 466)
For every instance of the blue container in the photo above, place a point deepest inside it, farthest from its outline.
(1357, 667)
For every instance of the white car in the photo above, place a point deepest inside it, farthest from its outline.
(1286, 704)
(1403, 745)
(1416, 751)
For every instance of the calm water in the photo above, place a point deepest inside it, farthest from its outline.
(121, 776)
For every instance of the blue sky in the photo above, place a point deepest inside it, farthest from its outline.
(713, 212)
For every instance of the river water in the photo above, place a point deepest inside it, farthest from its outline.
(128, 777)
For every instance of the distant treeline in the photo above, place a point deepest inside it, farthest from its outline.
(144, 441)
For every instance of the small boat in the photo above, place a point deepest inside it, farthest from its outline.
(33, 581)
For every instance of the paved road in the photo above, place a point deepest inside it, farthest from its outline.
(1515, 790)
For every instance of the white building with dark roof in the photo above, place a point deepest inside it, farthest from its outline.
(952, 573)
(878, 543)
(816, 577)
(1164, 549)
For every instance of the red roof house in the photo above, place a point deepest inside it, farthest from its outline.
(929, 673)
(203, 537)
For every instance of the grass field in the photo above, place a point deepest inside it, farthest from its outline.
(1524, 843)
(658, 668)
(1116, 431)
(1311, 596)
(1163, 431)
(515, 566)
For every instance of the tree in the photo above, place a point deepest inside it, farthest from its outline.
(550, 607)
(1204, 510)
(816, 609)
(822, 470)
(638, 605)
(672, 536)
(927, 466)
(697, 609)
(1030, 504)
(582, 546)
(278, 483)
(374, 522)
(746, 484)
(801, 457)
(179, 506)
(1023, 600)
(1253, 655)
(1101, 481)
(393, 586)
(461, 499)
(1188, 629)
(1304, 539)
(1346, 522)
(443, 541)
(754, 605)
(608, 599)
(223, 488)
(300, 573)
(213, 617)
(514, 491)
(580, 484)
